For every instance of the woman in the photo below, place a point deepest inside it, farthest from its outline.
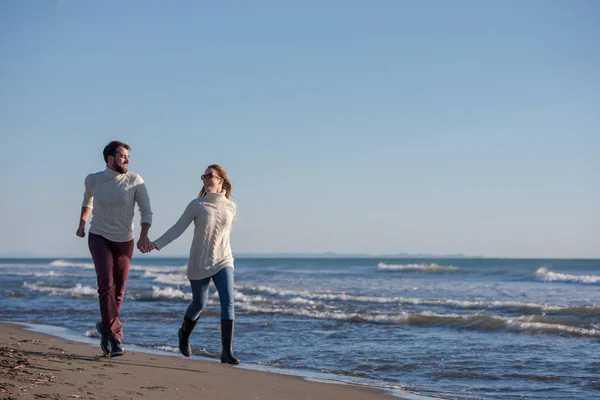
(210, 256)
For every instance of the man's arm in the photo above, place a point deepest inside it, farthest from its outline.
(141, 197)
(85, 215)
(144, 244)
(86, 207)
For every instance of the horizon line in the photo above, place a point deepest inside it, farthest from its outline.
(20, 256)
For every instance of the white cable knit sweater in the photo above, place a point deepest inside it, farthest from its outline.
(112, 197)
(211, 250)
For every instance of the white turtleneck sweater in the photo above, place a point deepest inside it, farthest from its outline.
(112, 197)
(213, 216)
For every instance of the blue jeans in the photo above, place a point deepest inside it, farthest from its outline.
(224, 282)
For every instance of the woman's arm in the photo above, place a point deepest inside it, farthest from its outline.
(180, 226)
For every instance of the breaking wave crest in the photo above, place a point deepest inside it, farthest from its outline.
(417, 267)
(514, 306)
(158, 293)
(549, 276)
(78, 290)
(486, 322)
(177, 279)
(71, 264)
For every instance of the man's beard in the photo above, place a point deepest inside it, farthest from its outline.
(120, 168)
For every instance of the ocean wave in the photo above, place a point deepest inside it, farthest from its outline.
(319, 314)
(70, 264)
(168, 279)
(540, 327)
(549, 276)
(60, 263)
(323, 272)
(242, 298)
(515, 306)
(531, 324)
(176, 294)
(158, 293)
(417, 267)
(486, 322)
(78, 290)
(92, 334)
(38, 274)
(167, 348)
(301, 301)
(49, 274)
(158, 269)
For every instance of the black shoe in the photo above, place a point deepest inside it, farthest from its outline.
(117, 348)
(105, 344)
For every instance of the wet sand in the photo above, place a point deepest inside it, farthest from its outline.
(39, 366)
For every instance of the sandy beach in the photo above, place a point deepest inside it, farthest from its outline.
(39, 366)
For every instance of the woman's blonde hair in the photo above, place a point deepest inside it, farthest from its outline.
(223, 175)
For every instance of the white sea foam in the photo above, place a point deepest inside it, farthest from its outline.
(64, 264)
(549, 276)
(170, 349)
(45, 274)
(37, 274)
(301, 301)
(540, 327)
(168, 279)
(240, 297)
(417, 267)
(158, 269)
(319, 314)
(78, 290)
(276, 291)
(462, 304)
(488, 322)
(146, 268)
(169, 293)
(322, 272)
(50, 274)
(524, 323)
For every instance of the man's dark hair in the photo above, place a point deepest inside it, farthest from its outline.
(112, 147)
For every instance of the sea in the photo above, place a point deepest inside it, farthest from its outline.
(464, 328)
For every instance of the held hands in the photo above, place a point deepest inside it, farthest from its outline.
(144, 244)
(149, 249)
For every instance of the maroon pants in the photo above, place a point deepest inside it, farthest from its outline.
(111, 260)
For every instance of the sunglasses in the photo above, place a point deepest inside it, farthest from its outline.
(209, 176)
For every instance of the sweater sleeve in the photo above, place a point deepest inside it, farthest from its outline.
(143, 200)
(191, 211)
(88, 196)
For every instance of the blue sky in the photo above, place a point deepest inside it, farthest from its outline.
(353, 127)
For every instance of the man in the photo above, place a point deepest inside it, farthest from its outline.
(110, 198)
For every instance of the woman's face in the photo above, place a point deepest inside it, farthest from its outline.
(213, 183)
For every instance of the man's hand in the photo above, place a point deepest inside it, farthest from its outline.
(81, 230)
(85, 215)
(144, 244)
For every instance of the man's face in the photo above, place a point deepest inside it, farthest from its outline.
(120, 161)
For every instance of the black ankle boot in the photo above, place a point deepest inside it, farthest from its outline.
(184, 336)
(116, 346)
(105, 343)
(227, 356)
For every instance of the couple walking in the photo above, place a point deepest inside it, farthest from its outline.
(110, 198)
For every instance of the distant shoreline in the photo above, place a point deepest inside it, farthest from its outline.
(308, 256)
